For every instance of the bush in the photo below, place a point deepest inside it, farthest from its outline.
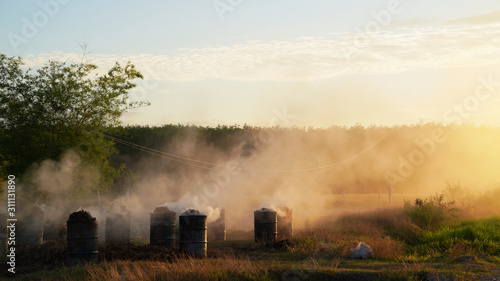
(430, 213)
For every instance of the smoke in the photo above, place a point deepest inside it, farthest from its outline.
(187, 202)
(307, 171)
(117, 208)
(247, 178)
(59, 177)
(57, 189)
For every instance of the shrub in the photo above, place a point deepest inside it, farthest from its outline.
(430, 213)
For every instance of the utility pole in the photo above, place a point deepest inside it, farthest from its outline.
(390, 166)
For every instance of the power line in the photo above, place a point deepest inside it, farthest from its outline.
(199, 163)
(174, 157)
(152, 152)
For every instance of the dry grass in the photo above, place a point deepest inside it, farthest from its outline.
(182, 269)
(385, 230)
(336, 244)
(373, 223)
(462, 249)
(386, 248)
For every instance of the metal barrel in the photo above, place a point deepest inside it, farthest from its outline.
(81, 243)
(162, 227)
(30, 227)
(193, 234)
(117, 227)
(285, 224)
(265, 225)
(3, 234)
(217, 229)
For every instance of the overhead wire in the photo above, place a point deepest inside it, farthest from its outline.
(205, 165)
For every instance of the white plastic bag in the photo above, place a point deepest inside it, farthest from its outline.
(362, 251)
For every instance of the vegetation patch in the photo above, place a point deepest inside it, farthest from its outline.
(468, 237)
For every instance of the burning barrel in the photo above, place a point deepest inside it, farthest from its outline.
(285, 224)
(162, 227)
(265, 225)
(117, 224)
(82, 238)
(30, 227)
(193, 232)
(217, 229)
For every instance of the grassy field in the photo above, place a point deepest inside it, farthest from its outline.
(310, 259)
(425, 240)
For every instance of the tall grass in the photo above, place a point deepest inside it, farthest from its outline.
(467, 237)
(182, 269)
(381, 229)
(380, 223)
(428, 227)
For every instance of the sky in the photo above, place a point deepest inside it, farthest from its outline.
(313, 63)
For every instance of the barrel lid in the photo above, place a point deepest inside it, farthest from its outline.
(192, 212)
(265, 210)
(81, 216)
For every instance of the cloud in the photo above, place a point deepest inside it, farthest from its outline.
(414, 22)
(316, 58)
(489, 18)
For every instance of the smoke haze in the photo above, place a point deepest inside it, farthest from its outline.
(308, 171)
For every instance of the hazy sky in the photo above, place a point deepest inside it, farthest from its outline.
(288, 62)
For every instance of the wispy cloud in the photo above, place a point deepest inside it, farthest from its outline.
(489, 18)
(392, 51)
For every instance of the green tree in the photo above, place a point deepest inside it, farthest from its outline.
(58, 107)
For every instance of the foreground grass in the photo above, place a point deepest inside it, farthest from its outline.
(245, 269)
(311, 258)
